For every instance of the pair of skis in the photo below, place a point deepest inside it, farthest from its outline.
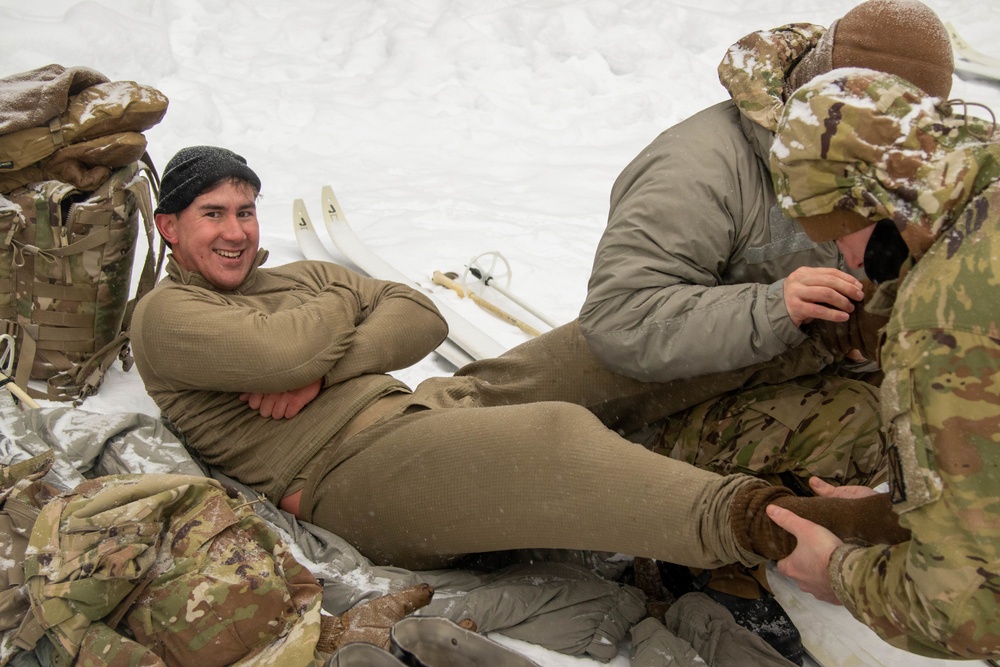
(466, 341)
(971, 61)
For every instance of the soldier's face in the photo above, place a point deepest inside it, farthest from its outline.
(852, 246)
(217, 235)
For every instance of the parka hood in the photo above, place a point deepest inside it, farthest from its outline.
(755, 69)
(874, 144)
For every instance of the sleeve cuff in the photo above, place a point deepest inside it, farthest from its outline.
(834, 573)
(777, 315)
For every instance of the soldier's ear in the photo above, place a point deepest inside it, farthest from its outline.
(166, 224)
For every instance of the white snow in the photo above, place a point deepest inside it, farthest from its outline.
(448, 128)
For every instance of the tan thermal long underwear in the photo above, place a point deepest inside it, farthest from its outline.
(522, 472)
(420, 489)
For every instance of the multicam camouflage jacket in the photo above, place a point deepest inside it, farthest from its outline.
(756, 68)
(860, 141)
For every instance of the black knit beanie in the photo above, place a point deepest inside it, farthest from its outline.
(194, 170)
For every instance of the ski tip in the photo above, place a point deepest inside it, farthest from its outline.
(331, 207)
(328, 195)
(956, 40)
(969, 60)
(300, 215)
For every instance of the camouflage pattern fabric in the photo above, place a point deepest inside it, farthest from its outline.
(22, 493)
(69, 158)
(14, 478)
(65, 275)
(754, 69)
(72, 125)
(822, 425)
(875, 145)
(103, 647)
(195, 574)
(911, 160)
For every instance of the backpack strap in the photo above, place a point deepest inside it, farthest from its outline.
(75, 382)
(154, 260)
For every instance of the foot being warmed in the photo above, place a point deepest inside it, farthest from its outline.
(870, 520)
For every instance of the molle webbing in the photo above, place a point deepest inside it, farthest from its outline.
(66, 261)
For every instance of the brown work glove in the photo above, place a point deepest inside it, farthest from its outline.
(869, 520)
(862, 332)
(370, 622)
(648, 579)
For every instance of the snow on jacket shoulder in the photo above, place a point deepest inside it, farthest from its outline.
(687, 279)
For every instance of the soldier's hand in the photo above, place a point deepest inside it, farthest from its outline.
(282, 405)
(855, 355)
(820, 293)
(823, 488)
(858, 338)
(807, 564)
(370, 622)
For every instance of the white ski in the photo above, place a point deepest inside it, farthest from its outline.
(313, 249)
(306, 236)
(466, 342)
(970, 60)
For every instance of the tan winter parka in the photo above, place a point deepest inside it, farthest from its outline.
(688, 277)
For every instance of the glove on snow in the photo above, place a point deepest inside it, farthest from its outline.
(370, 622)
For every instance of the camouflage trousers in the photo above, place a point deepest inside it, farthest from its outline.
(823, 425)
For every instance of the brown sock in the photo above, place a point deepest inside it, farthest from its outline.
(753, 529)
(870, 520)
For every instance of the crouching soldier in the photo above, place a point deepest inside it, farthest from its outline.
(879, 165)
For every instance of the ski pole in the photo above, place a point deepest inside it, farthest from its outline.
(497, 271)
(19, 393)
(488, 281)
(446, 281)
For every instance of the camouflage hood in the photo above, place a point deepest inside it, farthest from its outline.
(755, 69)
(873, 144)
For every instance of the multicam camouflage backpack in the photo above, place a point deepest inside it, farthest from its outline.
(159, 570)
(74, 181)
(65, 275)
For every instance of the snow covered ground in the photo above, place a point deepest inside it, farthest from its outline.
(448, 128)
